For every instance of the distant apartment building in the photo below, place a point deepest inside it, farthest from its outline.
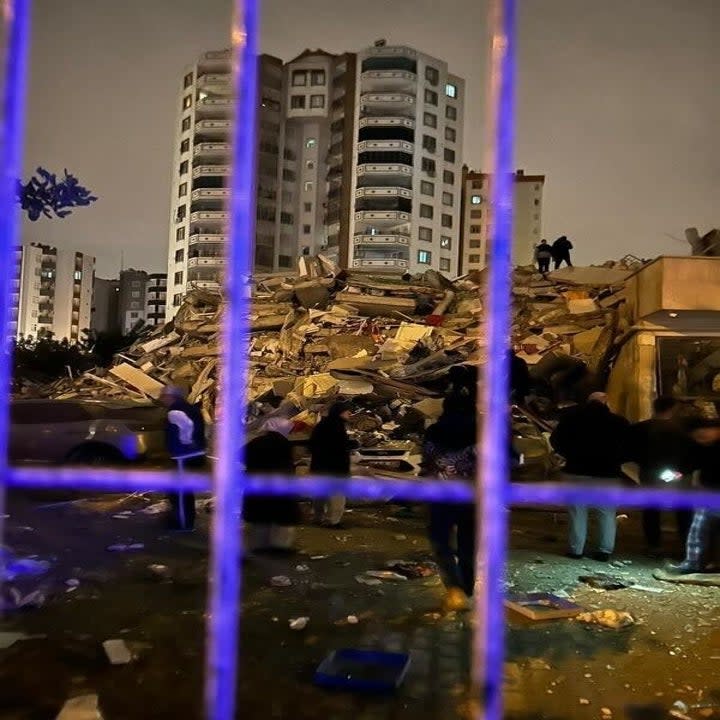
(477, 220)
(141, 299)
(155, 298)
(52, 292)
(359, 157)
(105, 306)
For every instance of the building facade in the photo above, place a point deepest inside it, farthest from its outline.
(105, 306)
(476, 223)
(155, 298)
(359, 157)
(52, 292)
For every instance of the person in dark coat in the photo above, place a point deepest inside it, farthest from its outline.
(449, 453)
(561, 251)
(187, 446)
(271, 518)
(543, 256)
(663, 451)
(330, 448)
(705, 526)
(593, 441)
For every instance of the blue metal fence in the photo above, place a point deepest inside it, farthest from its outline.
(494, 494)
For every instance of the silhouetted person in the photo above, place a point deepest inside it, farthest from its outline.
(561, 251)
(543, 256)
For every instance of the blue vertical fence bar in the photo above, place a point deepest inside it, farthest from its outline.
(16, 24)
(223, 624)
(493, 471)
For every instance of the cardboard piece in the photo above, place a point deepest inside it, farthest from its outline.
(542, 606)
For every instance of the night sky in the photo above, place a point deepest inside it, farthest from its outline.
(618, 106)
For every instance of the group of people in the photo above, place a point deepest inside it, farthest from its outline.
(558, 252)
(598, 444)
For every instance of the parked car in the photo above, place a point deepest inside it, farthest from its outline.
(85, 432)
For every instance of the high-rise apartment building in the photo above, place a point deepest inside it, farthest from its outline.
(477, 219)
(155, 298)
(105, 306)
(141, 299)
(359, 157)
(52, 292)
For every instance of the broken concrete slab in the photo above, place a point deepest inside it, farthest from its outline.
(592, 276)
(138, 379)
(83, 707)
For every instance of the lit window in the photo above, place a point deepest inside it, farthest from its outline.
(185, 145)
(425, 233)
(446, 220)
(188, 80)
(308, 186)
(310, 143)
(317, 77)
(432, 75)
(187, 102)
(476, 199)
(426, 211)
(450, 134)
(430, 120)
(427, 188)
(451, 90)
(424, 257)
(299, 78)
(447, 199)
(77, 275)
(445, 242)
(297, 102)
(317, 101)
(186, 123)
(445, 264)
(451, 112)
(182, 190)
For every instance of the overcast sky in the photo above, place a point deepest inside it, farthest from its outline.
(618, 105)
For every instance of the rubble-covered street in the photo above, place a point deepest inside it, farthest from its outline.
(152, 598)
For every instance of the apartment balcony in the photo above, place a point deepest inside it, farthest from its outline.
(386, 146)
(210, 108)
(209, 217)
(382, 216)
(213, 128)
(387, 121)
(215, 61)
(206, 238)
(386, 239)
(371, 193)
(212, 151)
(211, 195)
(211, 171)
(387, 103)
(215, 83)
(206, 261)
(391, 264)
(388, 79)
(385, 169)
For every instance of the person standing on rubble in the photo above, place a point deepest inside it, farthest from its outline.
(271, 519)
(561, 251)
(187, 446)
(330, 448)
(543, 256)
(593, 441)
(705, 526)
(663, 452)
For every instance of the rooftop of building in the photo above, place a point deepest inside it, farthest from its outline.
(519, 175)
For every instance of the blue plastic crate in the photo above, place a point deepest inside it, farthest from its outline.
(363, 670)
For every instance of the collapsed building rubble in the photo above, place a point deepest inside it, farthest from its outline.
(386, 342)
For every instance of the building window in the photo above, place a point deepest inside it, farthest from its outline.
(134, 315)
(475, 244)
(299, 78)
(135, 283)
(476, 213)
(427, 188)
(308, 186)
(473, 259)
(451, 90)
(309, 164)
(178, 277)
(188, 80)
(447, 199)
(449, 155)
(450, 134)
(180, 213)
(179, 255)
(445, 242)
(475, 229)
(430, 120)
(432, 75)
(308, 207)
(477, 184)
(185, 145)
(445, 264)
(187, 102)
(177, 300)
(307, 229)
(451, 112)
(426, 211)
(431, 97)
(310, 143)
(317, 77)
(446, 220)
(297, 102)
(180, 234)
(536, 201)
(186, 124)
(448, 177)
(476, 199)
(425, 233)
(429, 143)
(424, 257)
(428, 166)
(317, 101)
(77, 275)
(135, 294)
(184, 167)
(284, 261)
(182, 190)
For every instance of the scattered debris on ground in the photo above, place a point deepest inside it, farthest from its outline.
(614, 619)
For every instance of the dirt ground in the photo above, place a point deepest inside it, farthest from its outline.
(555, 670)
